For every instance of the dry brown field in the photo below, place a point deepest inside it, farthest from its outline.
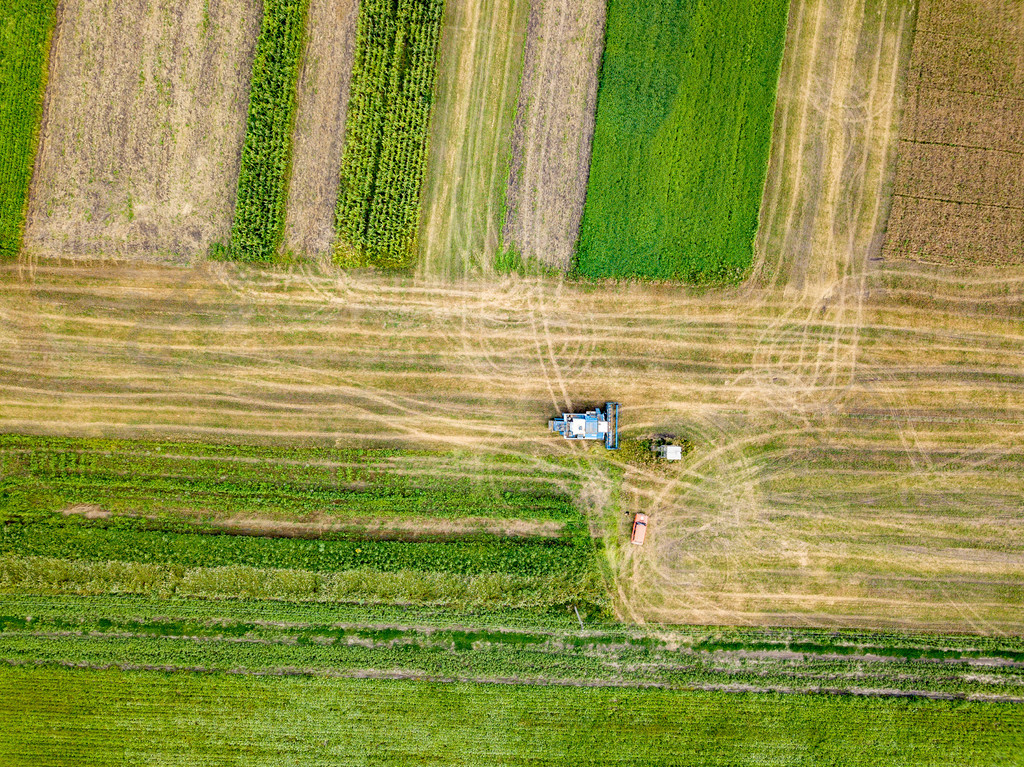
(959, 195)
(479, 67)
(142, 128)
(553, 130)
(321, 108)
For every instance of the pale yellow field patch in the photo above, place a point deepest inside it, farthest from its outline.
(553, 130)
(142, 128)
(321, 108)
(480, 59)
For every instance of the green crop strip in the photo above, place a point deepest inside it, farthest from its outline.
(59, 716)
(322, 639)
(469, 594)
(266, 155)
(26, 27)
(129, 540)
(44, 474)
(681, 140)
(48, 598)
(386, 132)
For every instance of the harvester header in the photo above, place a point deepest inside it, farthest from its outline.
(593, 424)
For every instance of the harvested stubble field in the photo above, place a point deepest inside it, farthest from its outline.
(322, 98)
(855, 462)
(825, 202)
(142, 128)
(958, 196)
(553, 129)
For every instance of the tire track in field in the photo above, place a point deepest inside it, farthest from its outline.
(713, 517)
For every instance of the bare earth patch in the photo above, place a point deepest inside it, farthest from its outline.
(383, 527)
(320, 125)
(143, 128)
(553, 129)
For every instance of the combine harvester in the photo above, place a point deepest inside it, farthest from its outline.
(594, 424)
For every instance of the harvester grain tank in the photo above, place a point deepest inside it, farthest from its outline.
(594, 424)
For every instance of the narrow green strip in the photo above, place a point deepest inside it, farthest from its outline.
(26, 27)
(266, 154)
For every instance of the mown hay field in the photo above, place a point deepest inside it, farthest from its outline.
(959, 196)
(480, 64)
(112, 717)
(854, 464)
(684, 116)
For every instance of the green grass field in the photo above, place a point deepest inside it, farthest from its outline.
(684, 117)
(25, 30)
(66, 716)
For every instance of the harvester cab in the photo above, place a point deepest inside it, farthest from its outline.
(598, 423)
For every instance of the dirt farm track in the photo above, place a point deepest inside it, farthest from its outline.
(856, 449)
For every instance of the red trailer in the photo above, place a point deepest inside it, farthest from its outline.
(639, 529)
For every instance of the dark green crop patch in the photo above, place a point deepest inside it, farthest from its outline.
(266, 154)
(386, 132)
(681, 142)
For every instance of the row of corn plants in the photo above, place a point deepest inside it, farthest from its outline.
(266, 154)
(386, 133)
(54, 599)
(26, 28)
